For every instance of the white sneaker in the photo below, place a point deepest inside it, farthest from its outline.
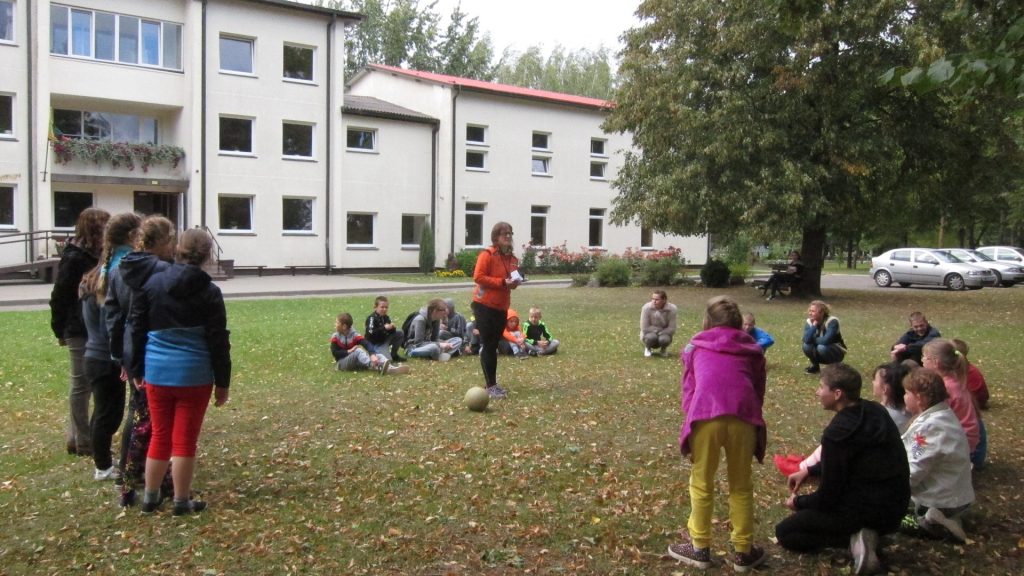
(444, 357)
(953, 525)
(397, 369)
(647, 353)
(111, 473)
(862, 548)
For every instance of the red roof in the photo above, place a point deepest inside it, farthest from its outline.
(496, 88)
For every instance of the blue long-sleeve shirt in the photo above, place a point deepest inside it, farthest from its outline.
(763, 339)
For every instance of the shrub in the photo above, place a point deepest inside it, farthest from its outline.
(660, 272)
(612, 272)
(528, 263)
(715, 274)
(427, 250)
(449, 273)
(580, 280)
(467, 260)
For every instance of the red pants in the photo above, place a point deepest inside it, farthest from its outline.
(177, 415)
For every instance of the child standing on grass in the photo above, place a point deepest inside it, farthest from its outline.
(723, 395)
(538, 336)
(353, 352)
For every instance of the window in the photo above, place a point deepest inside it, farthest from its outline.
(476, 134)
(235, 213)
(540, 141)
(104, 126)
(541, 165)
(360, 229)
(539, 225)
(596, 227)
(113, 37)
(475, 224)
(597, 170)
(597, 147)
(67, 206)
(926, 258)
(903, 255)
(6, 206)
(297, 214)
(298, 63)
(236, 135)
(6, 21)
(363, 139)
(6, 115)
(236, 55)
(297, 140)
(412, 229)
(476, 160)
(646, 237)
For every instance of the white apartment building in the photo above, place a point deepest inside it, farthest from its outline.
(231, 114)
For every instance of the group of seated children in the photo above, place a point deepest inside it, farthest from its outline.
(435, 332)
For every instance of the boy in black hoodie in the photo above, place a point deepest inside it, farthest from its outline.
(381, 332)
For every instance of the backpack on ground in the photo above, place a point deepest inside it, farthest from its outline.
(407, 328)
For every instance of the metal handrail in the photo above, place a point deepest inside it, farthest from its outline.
(45, 236)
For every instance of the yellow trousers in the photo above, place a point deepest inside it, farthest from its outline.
(707, 441)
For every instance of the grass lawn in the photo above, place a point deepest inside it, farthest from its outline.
(311, 471)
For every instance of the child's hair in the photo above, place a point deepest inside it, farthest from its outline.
(821, 305)
(89, 282)
(722, 311)
(195, 247)
(89, 230)
(345, 319)
(892, 376)
(534, 310)
(120, 231)
(843, 377)
(947, 357)
(153, 232)
(749, 317)
(378, 300)
(961, 346)
(928, 383)
(433, 306)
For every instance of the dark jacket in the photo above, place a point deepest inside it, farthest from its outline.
(375, 331)
(130, 275)
(65, 310)
(178, 319)
(915, 344)
(863, 468)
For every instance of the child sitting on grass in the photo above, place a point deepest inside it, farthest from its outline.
(353, 352)
(513, 341)
(538, 337)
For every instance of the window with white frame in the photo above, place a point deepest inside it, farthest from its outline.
(476, 134)
(476, 160)
(6, 21)
(597, 170)
(6, 115)
(596, 237)
(541, 166)
(541, 141)
(646, 237)
(359, 229)
(597, 147)
(236, 135)
(67, 206)
(412, 229)
(361, 139)
(6, 206)
(297, 214)
(475, 223)
(114, 37)
(104, 126)
(539, 225)
(297, 140)
(298, 62)
(236, 54)
(235, 213)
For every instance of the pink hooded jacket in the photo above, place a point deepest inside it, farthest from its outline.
(724, 375)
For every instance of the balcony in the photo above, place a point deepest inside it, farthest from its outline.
(92, 158)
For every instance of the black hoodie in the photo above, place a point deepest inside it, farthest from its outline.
(131, 274)
(863, 468)
(65, 311)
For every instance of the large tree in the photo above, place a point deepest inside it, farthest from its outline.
(747, 116)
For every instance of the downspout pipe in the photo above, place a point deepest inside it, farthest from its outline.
(328, 169)
(455, 96)
(202, 123)
(31, 173)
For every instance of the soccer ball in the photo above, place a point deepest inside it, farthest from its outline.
(477, 399)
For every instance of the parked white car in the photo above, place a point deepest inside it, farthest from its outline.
(1006, 273)
(1004, 254)
(906, 266)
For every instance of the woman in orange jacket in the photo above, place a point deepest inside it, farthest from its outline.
(496, 275)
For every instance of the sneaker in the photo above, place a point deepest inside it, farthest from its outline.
(497, 392)
(812, 369)
(664, 352)
(188, 507)
(444, 357)
(397, 369)
(383, 367)
(935, 517)
(647, 353)
(862, 548)
(111, 473)
(150, 507)
(687, 553)
(745, 562)
(770, 298)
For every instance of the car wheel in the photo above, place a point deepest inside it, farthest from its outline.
(904, 284)
(883, 278)
(999, 277)
(955, 282)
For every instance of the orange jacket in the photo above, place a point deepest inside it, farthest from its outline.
(490, 273)
(508, 335)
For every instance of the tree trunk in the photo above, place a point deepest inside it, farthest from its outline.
(812, 251)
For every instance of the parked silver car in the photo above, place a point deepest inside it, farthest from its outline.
(906, 266)
(1004, 254)
(1006, 273)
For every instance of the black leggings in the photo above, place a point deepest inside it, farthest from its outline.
(810, 530)
(108, 406)
(491, 323)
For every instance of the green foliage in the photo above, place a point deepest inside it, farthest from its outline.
(427, 249)
(117, 154)
(528, 263)
(659, 272)
(467, 260)
(612, 272)
(580, 280)
(583, 72)
(715, 274)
